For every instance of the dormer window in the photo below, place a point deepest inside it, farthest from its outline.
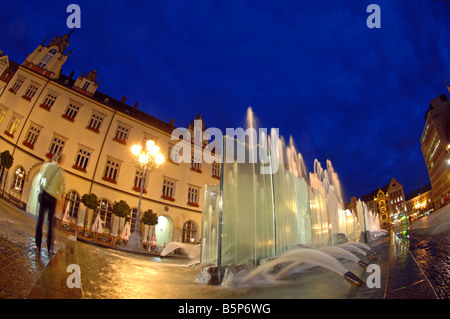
(47, 58)
(86, 85)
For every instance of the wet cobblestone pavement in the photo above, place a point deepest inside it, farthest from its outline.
(433, 257)
(429, 243)
(21, 264)
(108, 273)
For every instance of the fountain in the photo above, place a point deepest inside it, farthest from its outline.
(193, 252)
(299, 260)
(369, 223)
(264, 208)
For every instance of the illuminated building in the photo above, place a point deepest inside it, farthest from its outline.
(389, 203)
(435, 144)
(43, 112)
(419, 202)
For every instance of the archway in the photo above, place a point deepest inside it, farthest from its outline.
(33, 203)
(163, 230)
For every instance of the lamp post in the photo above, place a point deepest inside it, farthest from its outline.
(148, 159)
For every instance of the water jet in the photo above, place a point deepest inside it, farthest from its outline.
(253, 216)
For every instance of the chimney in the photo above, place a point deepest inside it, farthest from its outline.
(136, 105)
(172, 122)
(123, 99)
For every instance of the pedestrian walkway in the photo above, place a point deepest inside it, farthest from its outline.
(52, 283)
(28, 273)
(405, 278)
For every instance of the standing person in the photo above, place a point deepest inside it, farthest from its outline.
(52, 185)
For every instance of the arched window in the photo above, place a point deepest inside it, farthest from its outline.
(19, 179)
(132, 220)
(72, 203)
(189, 231)
(47, 58)
(105, 211)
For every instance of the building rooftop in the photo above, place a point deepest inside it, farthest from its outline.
(418, 192)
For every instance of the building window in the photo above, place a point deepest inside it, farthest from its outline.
(19, 179)
(122, 133)
(82, 159)
(150, 137)
(189, 231)
(71, 111)
(133, 221)
(30, 92)
(216, 170)
(56, 146)
(168, 191)
(47, 58)
(425, 134)
(95, 122)
(174, 153)
(49, 101)
(138, 181)
(86, 85)
(193, 196)
(105, 211)
(13, 125)
(198, 134)
(17, 85)
(72, 205)
(32, 136)
(2, 113)
(111, 170)
(196, 164)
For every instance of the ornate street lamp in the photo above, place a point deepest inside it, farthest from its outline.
(148, 159)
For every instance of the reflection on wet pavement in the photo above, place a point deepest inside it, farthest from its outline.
(108, 273)
(432, 253)
(20, 267)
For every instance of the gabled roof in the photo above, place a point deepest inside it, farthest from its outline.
(4, 60)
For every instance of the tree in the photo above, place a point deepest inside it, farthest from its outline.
(6, 161)
(121, 209)
(90, 201)
(149, 218)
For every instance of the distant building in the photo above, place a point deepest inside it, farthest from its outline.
(43, 112)
(389, 203)
(419, 202)
(435, 144)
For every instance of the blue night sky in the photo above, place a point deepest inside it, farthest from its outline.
(313, 69)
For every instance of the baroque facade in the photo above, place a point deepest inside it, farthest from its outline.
(389, 203)
(43, 112)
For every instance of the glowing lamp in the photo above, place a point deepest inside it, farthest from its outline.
(154, 149)
(159, 159)
(150, 143)
(143, 159)
(136, 149)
